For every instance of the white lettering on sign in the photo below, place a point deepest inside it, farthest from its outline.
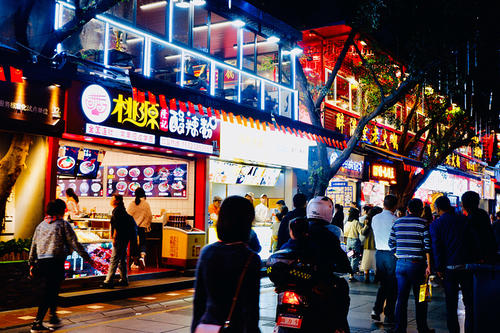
(186, 145)
(119, 134)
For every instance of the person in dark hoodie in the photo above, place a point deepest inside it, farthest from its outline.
(123, 230)
(338, 216)
(299, 202)
(481, 240)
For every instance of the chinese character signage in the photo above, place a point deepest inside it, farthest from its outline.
(457, 161)
(142, 117)
(383, 172)
(34, 106)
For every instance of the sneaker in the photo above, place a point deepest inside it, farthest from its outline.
(38, 327)
(122, 283)
(375, 316)
(142, 263)
(106, 285)
(54, 322)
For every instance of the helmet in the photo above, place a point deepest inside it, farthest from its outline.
(320, 208)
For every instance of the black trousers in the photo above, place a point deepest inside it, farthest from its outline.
(453, 281)
(51, 275)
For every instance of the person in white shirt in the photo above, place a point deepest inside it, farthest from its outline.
(262, 212)
(385, 261)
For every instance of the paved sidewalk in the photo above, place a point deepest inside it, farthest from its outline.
(172, 312)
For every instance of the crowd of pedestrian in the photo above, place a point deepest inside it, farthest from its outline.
(403, 251)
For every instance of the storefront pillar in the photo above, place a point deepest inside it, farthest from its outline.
(200, 200)
(51, 171)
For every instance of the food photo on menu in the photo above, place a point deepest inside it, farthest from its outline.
(157, 180)
(82, 187)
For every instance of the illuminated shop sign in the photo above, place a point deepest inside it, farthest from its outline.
(141, 117)
(353, 167)
(271, 147)
(33, 105)
(383, 172)
(459, 162)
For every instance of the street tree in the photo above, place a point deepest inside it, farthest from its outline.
(421, 41)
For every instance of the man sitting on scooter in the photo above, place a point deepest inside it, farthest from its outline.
(332, 291)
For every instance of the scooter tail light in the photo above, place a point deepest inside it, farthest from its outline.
(289, 297)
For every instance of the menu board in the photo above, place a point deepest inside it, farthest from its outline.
(66, 162)
(233, 173)
(82, 187)
(88, 167)
(168, 180)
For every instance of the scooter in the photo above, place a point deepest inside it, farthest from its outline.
(292, 278)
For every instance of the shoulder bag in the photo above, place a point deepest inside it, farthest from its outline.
(212, 328)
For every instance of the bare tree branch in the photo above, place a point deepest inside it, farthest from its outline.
(372, 72)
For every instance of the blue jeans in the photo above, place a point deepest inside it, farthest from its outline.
(451, 282)
(388, 288)
(410, 275)
(355, 245)
(118, 257)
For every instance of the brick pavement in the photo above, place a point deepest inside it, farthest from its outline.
(171, 312)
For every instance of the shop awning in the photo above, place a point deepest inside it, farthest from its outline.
(196, 102)
(392, 155)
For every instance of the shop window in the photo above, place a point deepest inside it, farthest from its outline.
(248, 50)
(123, 10)
(151, 14)
(271, 98)
(200, 29)
(250, 91)
(342, 92)
(196, 72)
(226, 83)
(89, 43)
(67, 15)
(286, 103)
(223, 39)
(330, 96)
(267, 59)
(180, 23)
(286, 67)
(165, 63)
(125, 50)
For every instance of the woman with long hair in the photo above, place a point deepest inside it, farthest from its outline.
(140, 210)
(216, 283)
(368, 259)
(352, 229)
(72, 204)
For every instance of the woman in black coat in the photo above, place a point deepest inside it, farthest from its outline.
(338, 217)
(219, 269)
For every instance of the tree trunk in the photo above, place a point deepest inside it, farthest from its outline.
(11, 166)
(407, 184)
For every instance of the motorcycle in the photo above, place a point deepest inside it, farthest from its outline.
(293, 280)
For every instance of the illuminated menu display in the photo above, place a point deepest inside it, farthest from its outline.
(233, 173)
(168, 180)
(383, 172)
(82, 187)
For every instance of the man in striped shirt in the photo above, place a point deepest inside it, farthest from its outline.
(410, 241)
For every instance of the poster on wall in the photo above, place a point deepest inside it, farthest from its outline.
(82, 187)
(169, 180)
(373, 193)
(88, 165)
(233, 173)
(67, 160)
(340, 192)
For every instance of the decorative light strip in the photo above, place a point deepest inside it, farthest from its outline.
(153, 5)
(186, 145)
(120, 134)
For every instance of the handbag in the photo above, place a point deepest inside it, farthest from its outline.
(213, 328)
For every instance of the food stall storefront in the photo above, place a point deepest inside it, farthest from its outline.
(119, 139)
(380, 177)
(259, 158)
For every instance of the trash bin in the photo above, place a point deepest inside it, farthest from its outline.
(486, 304)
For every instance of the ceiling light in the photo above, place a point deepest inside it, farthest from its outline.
(212, 26)
(199, 2)
(273, 39)
(183, 4)
(190, 154)
(238, 23)
(134, 40)
(153, 5)
(296, 51)
(172, 57)
(169, 151)
(362, 43)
